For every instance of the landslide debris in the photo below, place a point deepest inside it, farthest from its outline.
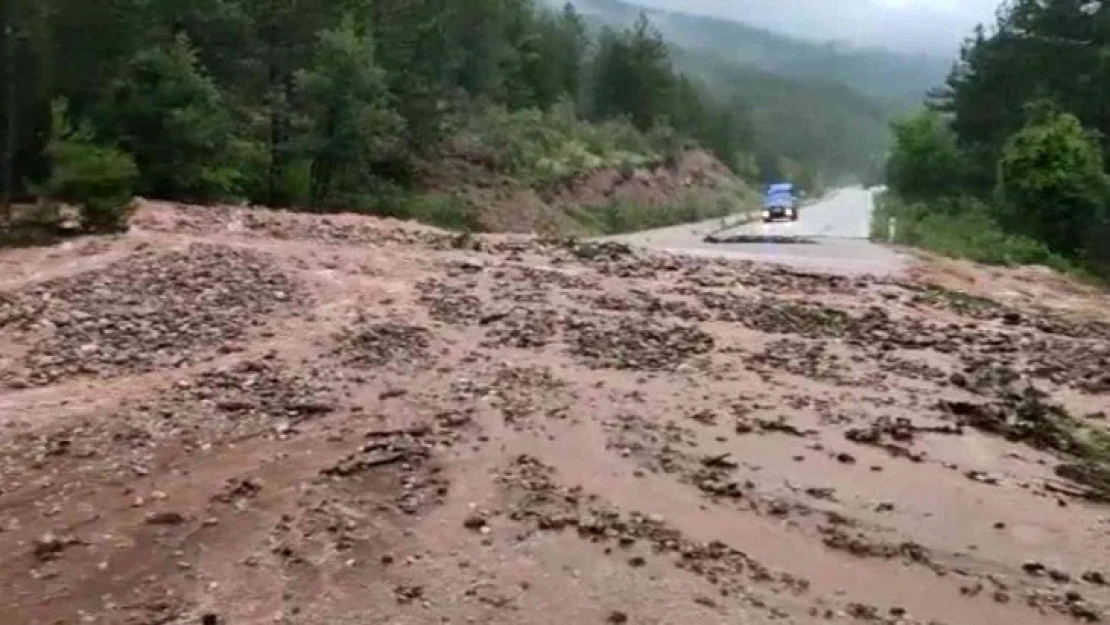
(450, 303)
(379, 469)
(420, 481)
(537, 499)
(246, 398)
(146, 312)
(370, 343)
(641, 344)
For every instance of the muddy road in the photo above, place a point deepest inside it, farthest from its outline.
(830, 236)
(237, 417)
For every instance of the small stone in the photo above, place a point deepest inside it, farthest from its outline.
(1059, 576)
(209, 618)
(49, 545)
(474, 522)
(617, 617)
(165, 518)
(1094, 577)
(779, 508)
(705, 601)
(1033, 568)
(845, 458)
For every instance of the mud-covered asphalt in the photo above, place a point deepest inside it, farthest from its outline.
(231, 416)
(830, 236)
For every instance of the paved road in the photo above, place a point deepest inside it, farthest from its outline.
(830, 235)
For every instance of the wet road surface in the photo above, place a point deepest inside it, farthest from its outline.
(829, 236)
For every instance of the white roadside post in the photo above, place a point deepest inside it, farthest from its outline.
(892, 229)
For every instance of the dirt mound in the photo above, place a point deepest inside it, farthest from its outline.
(234, 416)
(507, 206)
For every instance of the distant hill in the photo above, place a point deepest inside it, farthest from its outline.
(901, 79)
(828, 125)
(823, 105)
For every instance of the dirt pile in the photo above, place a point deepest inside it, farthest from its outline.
(232, 416)
(506, 205)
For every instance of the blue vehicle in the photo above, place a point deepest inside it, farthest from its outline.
(780, 202)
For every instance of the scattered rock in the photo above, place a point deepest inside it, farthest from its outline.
(1094, 577)
(149, 311)
(165, 518)
(49, 546)
(628, 343)
(372, 343)
(474, 522)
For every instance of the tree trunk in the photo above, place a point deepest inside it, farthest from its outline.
(274, 173)
(7, 167)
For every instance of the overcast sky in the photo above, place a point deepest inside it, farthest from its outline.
(934, 26)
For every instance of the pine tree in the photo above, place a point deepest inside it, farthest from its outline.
(350, 122)
(166, 111)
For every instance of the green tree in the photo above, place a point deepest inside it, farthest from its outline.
(350, 123)
(1055, 50)
(1051, 181)
(924, 162)
(95, 177)
(633, 75)
(554, 68)
(168, 113)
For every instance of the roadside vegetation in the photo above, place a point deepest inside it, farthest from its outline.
(1008, 164)
(540, 147)
(960, 227)
(337, 105)
(619, 217)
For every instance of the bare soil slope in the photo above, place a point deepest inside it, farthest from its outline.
(506, 205)
(250, 417)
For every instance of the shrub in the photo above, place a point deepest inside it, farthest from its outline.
(961, 227)
(449, 212)
(924, 162)
(621, 216)
(98, 178)
(169, 113)
(1051, 183)
(540, 147)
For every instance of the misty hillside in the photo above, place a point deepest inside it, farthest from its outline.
(830, 126)
(901, 79)
(796, 111)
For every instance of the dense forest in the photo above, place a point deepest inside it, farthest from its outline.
(326, 104)
(337, 104)
(1009, 162)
